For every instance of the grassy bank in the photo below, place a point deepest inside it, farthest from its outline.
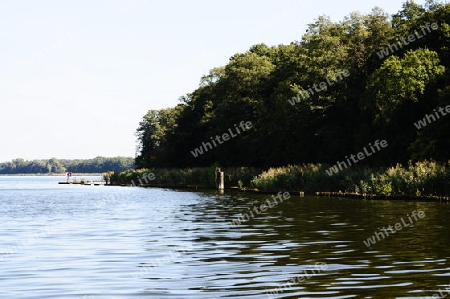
(421, 179)
(426, 178)
(187, 177)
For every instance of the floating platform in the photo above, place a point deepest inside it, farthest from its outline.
(87, 183)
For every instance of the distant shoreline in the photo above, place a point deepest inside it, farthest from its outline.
(52, 174)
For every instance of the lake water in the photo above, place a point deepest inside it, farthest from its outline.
(92, 242)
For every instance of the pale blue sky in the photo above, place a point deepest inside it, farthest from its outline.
(77, 76)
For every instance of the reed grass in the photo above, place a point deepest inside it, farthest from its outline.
(425, 178)
(183, 177)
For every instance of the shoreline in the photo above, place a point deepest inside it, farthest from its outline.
(423, 198)
(429, 198)
(420, 181)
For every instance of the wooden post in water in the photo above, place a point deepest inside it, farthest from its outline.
(220, 179)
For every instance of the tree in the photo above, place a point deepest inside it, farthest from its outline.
(380, 99)
(152, 135)
(401, 80)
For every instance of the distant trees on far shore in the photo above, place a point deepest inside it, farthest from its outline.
(53, 165)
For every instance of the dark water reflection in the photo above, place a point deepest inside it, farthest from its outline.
(108, 242)
(303, 231)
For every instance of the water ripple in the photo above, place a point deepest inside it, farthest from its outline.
(107, 242)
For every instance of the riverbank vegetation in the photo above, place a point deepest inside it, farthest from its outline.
(426, 178)
(201, 177)
(396, 88)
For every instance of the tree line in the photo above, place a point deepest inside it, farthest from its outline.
(53, 165)
(304, 110)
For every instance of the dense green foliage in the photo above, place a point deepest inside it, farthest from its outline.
(382, 98)
(96, 165)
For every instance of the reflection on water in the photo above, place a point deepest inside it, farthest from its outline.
(84, 242)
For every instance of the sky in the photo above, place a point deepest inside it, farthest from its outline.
(76, 77)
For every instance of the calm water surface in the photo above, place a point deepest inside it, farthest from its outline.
(92, 242)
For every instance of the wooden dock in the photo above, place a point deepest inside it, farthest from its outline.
(86, 183)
